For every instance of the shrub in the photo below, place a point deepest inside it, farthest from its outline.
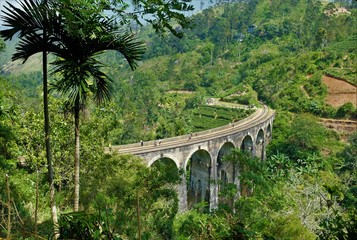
(347, 110)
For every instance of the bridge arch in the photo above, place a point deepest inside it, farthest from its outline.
(268, 132)
(247, 144)
(223, 167)
(167, 167)
(199, 176)
(260, 137)
(166, 155)
(227, 142)
(260, 144)
(193, 151)
(224, 149)
(224, 173)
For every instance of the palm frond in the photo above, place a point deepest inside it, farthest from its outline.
(79, 79)
(106, 36)
(102, 85)
(28, 46)
(27, 18)
(129, 47)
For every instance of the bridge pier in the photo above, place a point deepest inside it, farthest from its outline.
(213, 202)
(182, 192)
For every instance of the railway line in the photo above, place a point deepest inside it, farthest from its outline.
(260, 116)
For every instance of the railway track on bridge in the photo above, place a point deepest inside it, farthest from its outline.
(260, 116)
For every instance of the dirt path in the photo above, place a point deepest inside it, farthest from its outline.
(339, 92)
(304, 91)
(180, 91)
(216, 102)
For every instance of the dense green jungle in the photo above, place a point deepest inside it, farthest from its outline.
(251, 52)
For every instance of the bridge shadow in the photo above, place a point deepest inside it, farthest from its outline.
(226, 174)
(198, 175)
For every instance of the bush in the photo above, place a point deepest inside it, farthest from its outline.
(347, 110)
(81, 225)
(196, 100)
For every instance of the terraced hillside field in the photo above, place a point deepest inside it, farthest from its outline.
(339, 92)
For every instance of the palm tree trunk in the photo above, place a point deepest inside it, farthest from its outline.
(36, 203)
(47, 133)
(76, 155)
(8, 207)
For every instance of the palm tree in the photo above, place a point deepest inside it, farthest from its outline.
(81, 73)
(43, 29)
(31, 21)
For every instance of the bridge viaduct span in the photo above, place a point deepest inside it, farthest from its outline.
(200, 154)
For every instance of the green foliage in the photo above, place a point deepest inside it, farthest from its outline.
(278, 165)
(8, 115)
(81, 225)
(347, 173)
(306, 134)
(162, 13)
(196, 101)
(266, 209)
(126, 182)
(302, 137)
(346, 45)
(349, 155)
(81, 73)
(315, 88)
(275, 209)
(332, 194)
(273, 59)
(302, 191)
(207, 117)
(347, 110)
(244, 95)
(197, 225)
(2, 45)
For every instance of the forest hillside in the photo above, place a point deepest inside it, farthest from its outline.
(298, 57)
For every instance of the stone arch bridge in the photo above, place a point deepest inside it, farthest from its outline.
(200, 155)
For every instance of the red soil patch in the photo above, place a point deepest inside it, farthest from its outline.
(339, 92)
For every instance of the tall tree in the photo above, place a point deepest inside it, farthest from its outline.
(31, 21)
(87, 32)
(81, 75)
